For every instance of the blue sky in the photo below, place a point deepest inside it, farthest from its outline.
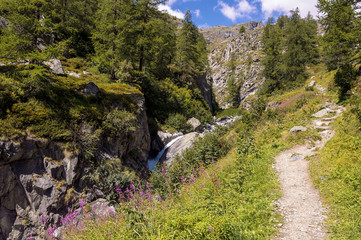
(208, 13)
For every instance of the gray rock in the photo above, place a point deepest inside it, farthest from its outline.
(54, 169)
(296, 157)
(7, 219)
(166, 137)
(74, 74)
(42, 184)
(298, 129)
(195, 123)
(91, 89)
(179, 147)
(320, 114)
(312, 83)
(3, 23)
(55, 66)
(330, 110)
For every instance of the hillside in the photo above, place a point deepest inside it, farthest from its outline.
(228, 47)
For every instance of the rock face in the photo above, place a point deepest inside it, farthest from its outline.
(39, 177)
(179, 147)
(225, 42)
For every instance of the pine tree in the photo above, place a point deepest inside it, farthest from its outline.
(191, 51)
(339, 18)
(29, 30)
(113, 35)
(272, 61)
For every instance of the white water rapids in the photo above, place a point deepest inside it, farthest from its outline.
(152, 162)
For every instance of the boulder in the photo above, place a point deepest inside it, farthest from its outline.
(320, 114)
(55, 66)
(3, 23)
(298, 129)
(312, 83)
(91, 89)
(296, 157)
(196, 124)
(179, 147)
(166, 137)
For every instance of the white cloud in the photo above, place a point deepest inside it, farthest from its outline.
(242, 9)
(245, 7)
(170, 2)
(282, 6)
(165, 8)
(197, 12)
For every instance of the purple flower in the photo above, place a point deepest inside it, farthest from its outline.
(118, 189)
(31, 238)
(210, 229)
(112, 212)
(43, 219)
(147, 186)
(183, 178)
(202, 186)
(132, 187)
(213, 175)
(218, 183)
(191, 180)
(159, 198)
(82, 203)
(164, 172)
(213, 160)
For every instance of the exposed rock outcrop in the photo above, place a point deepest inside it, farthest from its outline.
(179, 147)
(225, 43)
(39, 177)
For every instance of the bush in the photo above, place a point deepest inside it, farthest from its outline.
(109, 175)
(118, 122)
(178, 122)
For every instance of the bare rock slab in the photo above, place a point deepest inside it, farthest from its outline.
(298, 129)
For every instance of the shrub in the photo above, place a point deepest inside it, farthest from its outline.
(118, 122)
(109, 175)
(178, 122)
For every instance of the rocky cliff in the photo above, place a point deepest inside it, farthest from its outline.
(40, 180)
(225, 43)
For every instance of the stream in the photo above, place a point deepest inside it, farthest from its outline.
(152, 162)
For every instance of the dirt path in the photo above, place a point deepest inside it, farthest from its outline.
(300, 205)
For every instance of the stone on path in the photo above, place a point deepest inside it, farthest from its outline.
(298, 129)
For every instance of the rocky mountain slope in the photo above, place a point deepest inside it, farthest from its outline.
(227, 42)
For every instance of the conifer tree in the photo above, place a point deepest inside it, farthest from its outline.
(339, 18)
(29, 29)
(272, 61)
(113, 35)
(191, 51)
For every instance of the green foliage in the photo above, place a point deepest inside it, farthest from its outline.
(109, 174)
(118, 122)
(242, 29)
(289, 45)
(178, 122)
(344, 79)
(191, 59)
(164, 98)
(341, 31)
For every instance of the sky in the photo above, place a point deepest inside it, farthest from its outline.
(209, 13)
